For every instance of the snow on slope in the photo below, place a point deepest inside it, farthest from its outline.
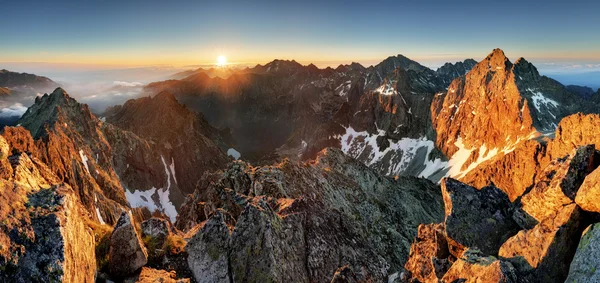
(398, 158)
(161, 201)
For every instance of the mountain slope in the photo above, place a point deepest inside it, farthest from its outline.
(184, 139)
(23, 81)
(110, 168)
(284, 109)
(495, 107)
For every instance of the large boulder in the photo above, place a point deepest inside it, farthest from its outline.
(57, 246)
(478, 219)
(588, 196)
(268, 248)
(559, 183)
(127, 253)
(208, 251)
(474, 267)
(544, 252)
(429, 254)
(584, 267)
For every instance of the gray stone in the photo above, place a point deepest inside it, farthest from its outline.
(478, 219)
(127, 253)
(208, 251)
(584, 267)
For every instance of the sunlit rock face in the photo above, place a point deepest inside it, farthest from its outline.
(487, 238)
(43, 236)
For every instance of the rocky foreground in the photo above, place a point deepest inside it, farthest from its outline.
(486, 238)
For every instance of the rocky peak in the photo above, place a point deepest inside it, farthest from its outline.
(496, 61)
(391, 63)
(524, 70)
(449, 71)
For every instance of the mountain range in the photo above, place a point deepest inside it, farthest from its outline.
(475, 172)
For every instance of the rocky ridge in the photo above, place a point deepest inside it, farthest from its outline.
(300, 222)
(487, 238)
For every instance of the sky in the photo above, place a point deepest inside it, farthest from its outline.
(142, 33)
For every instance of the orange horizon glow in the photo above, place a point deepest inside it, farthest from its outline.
(322, 60)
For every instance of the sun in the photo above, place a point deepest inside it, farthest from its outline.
(221, 60)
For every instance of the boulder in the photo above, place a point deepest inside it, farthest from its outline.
(268, 248)
(474, 267)
(208, 251)
(428, 259)
(584, 267)
(157, 228)
(559, 183)
(56, 245)
(127, 253)
(477, 219)
(545, 251)
(150, 275)
(588, 195)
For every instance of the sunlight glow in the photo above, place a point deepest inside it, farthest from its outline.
(221, 60)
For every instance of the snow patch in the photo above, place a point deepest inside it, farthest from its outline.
(84, 159)
(399, 154)
(172, 169)
(234, 153)
(386, 89)
(540, 101)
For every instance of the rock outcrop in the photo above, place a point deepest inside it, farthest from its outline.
(479, 219)
(429, 257)
(543, 253)
(208, 251)
(127, 253)
(588, 195)
(584, 267)
(475, 267)
(43, 233)
(486, 238)
(301, 222)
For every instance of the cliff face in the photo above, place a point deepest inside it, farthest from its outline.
(517, 171)
(43, 236)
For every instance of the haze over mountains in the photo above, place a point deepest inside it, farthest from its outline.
(478, 171)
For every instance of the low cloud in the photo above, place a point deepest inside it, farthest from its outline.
(14, 111)
(127, 84)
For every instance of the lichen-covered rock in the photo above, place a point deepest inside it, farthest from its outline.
(477, 219)
(428, 260)
(474, 267)
(43, 234)
(268, 248)
(315, 217)
(157, 228)
(559, 183)
(588, 196)
(584, 267)
(208, 251)
(544, 252)
(127, 253)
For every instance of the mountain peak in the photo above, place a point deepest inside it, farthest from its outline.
(165, 96)
(497, 59)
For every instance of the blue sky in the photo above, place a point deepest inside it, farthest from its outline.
(142, 33)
